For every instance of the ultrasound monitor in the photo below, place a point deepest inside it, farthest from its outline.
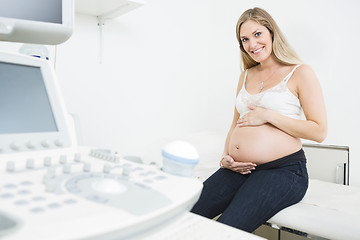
(32, 115)
(36, 21)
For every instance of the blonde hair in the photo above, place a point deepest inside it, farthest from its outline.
(281, 49)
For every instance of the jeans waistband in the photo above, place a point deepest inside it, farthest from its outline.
(296, 156)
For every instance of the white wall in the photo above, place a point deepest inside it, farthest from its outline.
(152, 83)
(170, 68)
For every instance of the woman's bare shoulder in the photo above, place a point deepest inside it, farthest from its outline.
(304, 73)
(304, 77)
(304, 70)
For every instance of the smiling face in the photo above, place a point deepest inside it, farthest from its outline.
(256, 40)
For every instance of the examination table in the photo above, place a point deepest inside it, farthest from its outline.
(328, 210)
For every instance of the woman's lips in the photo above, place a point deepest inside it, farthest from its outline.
(257, 51)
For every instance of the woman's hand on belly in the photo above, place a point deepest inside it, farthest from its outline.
(257, 116)
(240, 167)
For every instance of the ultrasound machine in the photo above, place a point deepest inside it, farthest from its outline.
(52, 188)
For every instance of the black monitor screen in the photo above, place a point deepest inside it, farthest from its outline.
(24, 103)
(34, 10)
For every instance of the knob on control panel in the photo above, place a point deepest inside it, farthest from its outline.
(87, 167)
(30, 163)
(14, 147)
(10, 166)
(126, 171)
(45, 144)
(30, 145)
(47, 161)
(67, 168)
(58, 143)
(107, 168)
(77, 157)
(63, 159)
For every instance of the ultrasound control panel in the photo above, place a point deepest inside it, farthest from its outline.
(88, 193)
(51, 188)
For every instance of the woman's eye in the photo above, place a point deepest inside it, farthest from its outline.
(257, 34)
(244, 39)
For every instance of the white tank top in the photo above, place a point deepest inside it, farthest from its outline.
(278, 98)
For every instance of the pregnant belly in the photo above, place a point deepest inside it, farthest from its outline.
(261, 144)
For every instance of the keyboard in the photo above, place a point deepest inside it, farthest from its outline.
(86, 193)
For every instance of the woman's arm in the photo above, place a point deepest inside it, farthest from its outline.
(226, 160)
(311, 98)
(235, 118)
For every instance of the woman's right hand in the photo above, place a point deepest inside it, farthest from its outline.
(241, 167)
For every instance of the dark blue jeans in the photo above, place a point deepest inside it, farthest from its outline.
(248, 201)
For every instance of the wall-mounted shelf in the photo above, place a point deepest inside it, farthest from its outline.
(103, 10)
(106, 9)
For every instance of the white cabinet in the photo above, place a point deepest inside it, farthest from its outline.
(104, 10)
(328, 163)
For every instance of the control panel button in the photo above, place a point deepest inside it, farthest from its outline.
(24, 192)
(10, 186)
(38, 199)
(37, 210)
(77, 157)
(6, 195)
(50, 186)
(70, 201)
(45, 144)
(58, 143)
(107, 168)
(51, 172)
(30, 145)
(67, 168)
(26, 183)
(47, 161)
(47, 178)
(126, 171)
(63, 159)
(30, 163)
(87, 167)
(10, 166)
(54, 205)
(21, 202)
(14, 147)
(97, 199)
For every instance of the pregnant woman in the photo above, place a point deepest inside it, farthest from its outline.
(279, 100)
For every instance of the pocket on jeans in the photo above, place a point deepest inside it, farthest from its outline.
(298, 170)
(301, 174)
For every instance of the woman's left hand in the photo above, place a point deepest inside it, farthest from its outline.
(257, 116)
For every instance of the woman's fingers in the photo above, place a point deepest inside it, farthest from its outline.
(257, 116)
(243, 167)
(240, 167)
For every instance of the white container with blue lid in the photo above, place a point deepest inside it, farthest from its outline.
(180, 158)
